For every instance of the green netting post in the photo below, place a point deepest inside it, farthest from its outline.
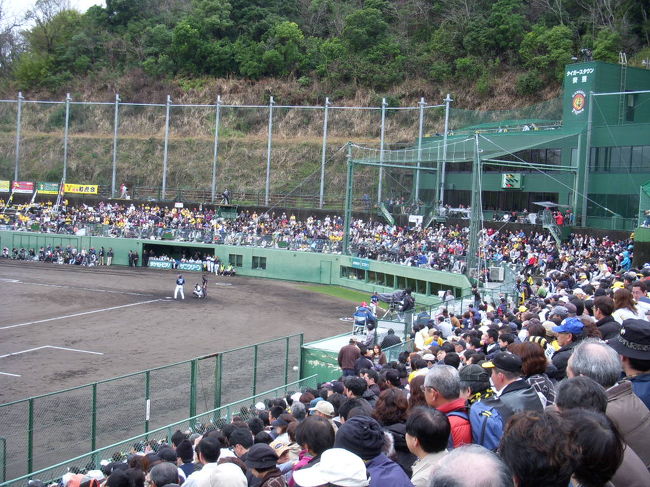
(4, 458)
(193, 373)
(302, 340)
(30, 434)
(147, 388)
(93, 420)
(286, 360)
(254, 369)
(217, 381)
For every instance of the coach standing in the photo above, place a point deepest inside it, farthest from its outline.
(180, 282)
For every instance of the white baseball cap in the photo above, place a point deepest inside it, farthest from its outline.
(337, 466)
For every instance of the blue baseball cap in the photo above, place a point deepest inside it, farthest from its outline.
(570, 325)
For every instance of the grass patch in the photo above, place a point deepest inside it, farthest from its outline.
(340, 292)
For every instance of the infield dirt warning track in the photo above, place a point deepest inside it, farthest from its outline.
(63, 326)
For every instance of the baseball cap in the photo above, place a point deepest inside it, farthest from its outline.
(337, 466)
(474, 373)
(262, 456)
(570, 325)
(324, 407)
(428, 357)
(505, 361)
(560, 311)
(634, 340)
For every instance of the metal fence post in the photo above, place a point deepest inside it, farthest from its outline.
(217, 381)
(116, 122)
(193, 373)
(323, 155)
(4, 459)
(19, 110)
(216, 147)
(441, 174)
(255, 370)
(302, 341)
(93, 423)
(65, 136)
(420, 135)
(164, 176)
(286, 360)
(30, 435)
(268, 154)
(381, 149)
(147, 400)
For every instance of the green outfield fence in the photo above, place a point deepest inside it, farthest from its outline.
(244, 408)
(47, 429)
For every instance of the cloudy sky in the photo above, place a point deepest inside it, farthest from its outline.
(17, 8)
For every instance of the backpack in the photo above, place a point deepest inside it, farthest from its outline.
(460, 414)
(488, 418)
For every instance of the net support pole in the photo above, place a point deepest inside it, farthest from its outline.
(443, 164)
(166, 148)
(215, 152)
(347, 217)
(420, 135)
(19, 110)
(116, 124)
(267, 189)
(323, 154)
(65, 136)
(587, 159)
(381, 149)
(474, 225)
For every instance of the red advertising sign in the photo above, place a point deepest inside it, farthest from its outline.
(22, 187)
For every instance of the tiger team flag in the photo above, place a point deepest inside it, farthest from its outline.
(22, 187)
(80, 188)
(48, 188)
(4, 186)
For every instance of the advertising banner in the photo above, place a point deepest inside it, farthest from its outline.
(190, 266)
(22, 187)
(160, 264)
(4, 186)
(48, 188)
(80, 188)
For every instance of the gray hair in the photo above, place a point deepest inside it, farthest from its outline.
(163, 474)
(597, 360)
(452, 469)
(298, 410)
(445, 380)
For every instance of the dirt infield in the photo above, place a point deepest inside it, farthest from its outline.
(139, 326)
(66, 326)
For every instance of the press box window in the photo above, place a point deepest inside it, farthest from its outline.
(259, 262)
(236, 260)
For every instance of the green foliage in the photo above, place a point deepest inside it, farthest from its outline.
(530, 83)
(547, 50)
(607, 46)
(469, 68)
(364, 28)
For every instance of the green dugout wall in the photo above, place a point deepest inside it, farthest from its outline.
(342, 270)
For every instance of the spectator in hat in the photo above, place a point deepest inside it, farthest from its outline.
(338, 468)
(427, 437)
(633, 346)
(442, 391)
(486, 467)
(325, 409)
(568, 335)
(607, 325)
(537, 447)
(364, 437)
(262, 461)
(600, 362)
(474, 383)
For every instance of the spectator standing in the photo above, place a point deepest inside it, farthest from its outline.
(348, 356)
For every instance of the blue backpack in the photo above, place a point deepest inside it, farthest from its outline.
(460, 414)
(488, 418)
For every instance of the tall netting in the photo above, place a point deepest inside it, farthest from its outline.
(7, 138)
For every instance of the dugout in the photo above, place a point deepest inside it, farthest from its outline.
(176, 251)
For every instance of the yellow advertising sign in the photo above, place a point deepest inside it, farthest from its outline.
(4, 186)
(80, 188)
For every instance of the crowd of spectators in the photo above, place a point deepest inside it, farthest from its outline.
(440, 247)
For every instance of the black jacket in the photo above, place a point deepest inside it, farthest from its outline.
(561, 359)
(608, 327)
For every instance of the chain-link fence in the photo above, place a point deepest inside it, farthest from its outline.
(119, 449)
(95, 415)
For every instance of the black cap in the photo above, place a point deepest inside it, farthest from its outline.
(505, 361)
(261, 456)
(634, 340)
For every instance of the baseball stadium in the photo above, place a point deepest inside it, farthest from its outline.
(131, 312)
